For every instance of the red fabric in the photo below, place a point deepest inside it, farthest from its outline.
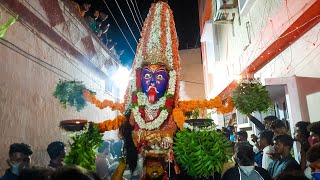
(134, 98)
(169, 103)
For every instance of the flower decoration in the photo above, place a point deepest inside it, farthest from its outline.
(114, 124)
(250, 95)
(185, 107)
(106, 103)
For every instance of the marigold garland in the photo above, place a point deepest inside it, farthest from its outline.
(114, 124)
(187, 106)
(178, 117)
(106, 103)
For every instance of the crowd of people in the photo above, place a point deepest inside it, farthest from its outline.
(270, 156)
(97, 20)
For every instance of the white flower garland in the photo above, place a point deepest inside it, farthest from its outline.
(155, 33)
(150, 125)
(169, 41)
(76, 133)
(172, 82)
(212, 127)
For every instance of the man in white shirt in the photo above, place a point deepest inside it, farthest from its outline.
(266, 142)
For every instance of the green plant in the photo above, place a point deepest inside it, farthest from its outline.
(70, 93)
(194, 114)
(201, 153)
(82, 150)
(250, 95)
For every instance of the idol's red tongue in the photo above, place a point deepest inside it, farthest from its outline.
(152, 95)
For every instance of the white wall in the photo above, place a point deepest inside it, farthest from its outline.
(191, 75)
(28, 111)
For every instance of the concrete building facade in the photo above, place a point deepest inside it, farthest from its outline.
(49, 42)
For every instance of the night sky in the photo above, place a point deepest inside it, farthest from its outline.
(185, 15)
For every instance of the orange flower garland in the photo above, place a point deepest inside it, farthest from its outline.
(114, 124)
(178, 117)
(106, 103)
(187, 106)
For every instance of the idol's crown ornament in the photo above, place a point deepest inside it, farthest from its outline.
(156, 57)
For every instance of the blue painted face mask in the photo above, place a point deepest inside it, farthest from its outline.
(316, 175)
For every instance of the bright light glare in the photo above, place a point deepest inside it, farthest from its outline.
(121, 78)
(238, 78)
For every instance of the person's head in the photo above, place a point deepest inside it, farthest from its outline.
(244, 154)
(268, 120)
(242, 136)
(283, 144)
(278, 127)
(313, 156)
(231, 128)
(103, 16)
(266, 138)
(73, 172)
(96, 14)
(234, 116)
(36, 173)
(19, 157)
(154, 167)
(86, 6)
(301, 131)
(314, 129)
(56, 150)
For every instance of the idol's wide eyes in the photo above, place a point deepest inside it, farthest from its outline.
(147, 76)
(159, 76)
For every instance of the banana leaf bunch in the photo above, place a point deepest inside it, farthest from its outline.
(201, 153)
(82, 149)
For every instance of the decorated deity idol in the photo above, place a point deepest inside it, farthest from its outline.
(153, 92)
(151, 112)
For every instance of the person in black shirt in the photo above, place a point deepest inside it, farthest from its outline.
(245, 168)
(19, 158)
(285, 162)
(57, 152)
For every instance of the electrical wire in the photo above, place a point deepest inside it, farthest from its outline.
(314, 58)
(59, 52)
(135, 11)
(133, 16)
(135, 2)
(126, 21)
(119, 27)
(29, 57)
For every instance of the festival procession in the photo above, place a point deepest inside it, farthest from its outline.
(160, 89)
